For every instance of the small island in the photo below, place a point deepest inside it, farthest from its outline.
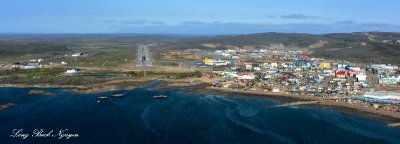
(40, 92)
(7, 106)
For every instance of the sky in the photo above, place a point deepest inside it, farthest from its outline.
(198, 17)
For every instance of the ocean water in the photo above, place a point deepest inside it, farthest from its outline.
(185, 118)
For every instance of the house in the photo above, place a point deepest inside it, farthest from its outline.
(383, 95)
(76, 54)
(398, 79)
(328, 72)
(72, 71)
(32, 65)
(230, 75)
(235, 57)
(16, 65)
(255, 55)
(383, 68)
(222, 63)
(275, 90)
(246, 77)
(249, 67)
(340, 73)
(361, 77)
(356, 70)
(36, 60)
(300, 63)
(387, 41)
(325, 65)
(219, 52)
(208, 61)
(230, 51)
(274, 65)
(257, 68)
(226, 55)
(388, 80)
(398, 42)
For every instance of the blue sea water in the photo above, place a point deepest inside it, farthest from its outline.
(181, 118)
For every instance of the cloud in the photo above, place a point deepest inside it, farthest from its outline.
(157, 23)
(108, 21)
(348, 22)
(299, 16)
(134, 22)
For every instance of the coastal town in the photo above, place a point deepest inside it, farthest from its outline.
(297, 73)
(182, 72)
(275, 70)
(278, 70)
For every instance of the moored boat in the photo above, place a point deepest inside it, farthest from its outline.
(160, 96)
(117, 95)
(102, 97)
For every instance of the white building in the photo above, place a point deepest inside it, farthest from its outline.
(72, 71)
(275, 90)
(246, 77)
(235, 57)
(383, 95)
(226, 55)
(248, 67)
(32, 66)
(230, 51)
(222, 63)
(76, 54)
(219, 52)
(361, 77)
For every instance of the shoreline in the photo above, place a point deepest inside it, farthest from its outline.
(359, 110)
(355, 109)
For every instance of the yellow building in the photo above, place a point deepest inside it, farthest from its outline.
(326, 65)
(208, 61)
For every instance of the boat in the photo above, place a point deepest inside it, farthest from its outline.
(117, 95)
(102, 97)
(160, 96)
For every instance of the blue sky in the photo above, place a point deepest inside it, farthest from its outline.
(198, 17)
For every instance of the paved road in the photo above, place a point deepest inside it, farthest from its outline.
(143, 56)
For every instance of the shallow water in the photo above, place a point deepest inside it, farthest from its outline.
(180, 118)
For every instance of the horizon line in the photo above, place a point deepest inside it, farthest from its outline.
(184, 34)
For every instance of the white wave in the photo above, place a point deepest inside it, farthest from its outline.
(235, 120)
(145, 116)
(212, 99)
(248, 112)
(224, 98)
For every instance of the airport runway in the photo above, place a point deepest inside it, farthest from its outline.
(143, 56)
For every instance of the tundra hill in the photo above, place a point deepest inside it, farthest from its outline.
(360, 47)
